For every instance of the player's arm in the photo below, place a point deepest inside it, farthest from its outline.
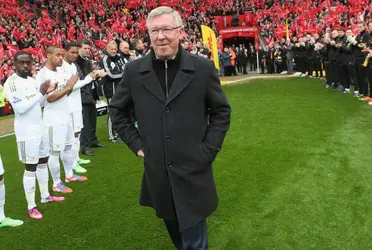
(88, 79)
(20, 102)
(56, 95)
(82, 82)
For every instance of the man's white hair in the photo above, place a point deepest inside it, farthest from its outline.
(111, 43)
(164, 10)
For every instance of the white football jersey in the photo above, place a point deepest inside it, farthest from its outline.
(26, 100)
(74, 99)
(55, 113)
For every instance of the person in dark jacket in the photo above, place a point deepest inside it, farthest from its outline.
(348, 71)
(333, 55)
(183, 117)
(113, 64)
(361, 43)
(89, 96)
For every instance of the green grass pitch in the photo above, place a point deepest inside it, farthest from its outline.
(295, 172)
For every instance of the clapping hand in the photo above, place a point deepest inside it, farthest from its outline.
(44, 87)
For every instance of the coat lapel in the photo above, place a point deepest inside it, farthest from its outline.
(183, 77)
(150, 80)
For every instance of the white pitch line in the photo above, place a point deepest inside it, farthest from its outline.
(256, 77)
(3, 136)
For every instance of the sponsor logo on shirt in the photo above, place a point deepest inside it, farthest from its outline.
(29, 97)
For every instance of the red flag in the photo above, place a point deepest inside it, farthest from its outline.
(2, 52)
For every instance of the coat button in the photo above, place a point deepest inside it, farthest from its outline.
(166, 110)
(167, 138)
(169, 164)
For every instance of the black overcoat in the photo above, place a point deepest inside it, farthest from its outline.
(180, 135)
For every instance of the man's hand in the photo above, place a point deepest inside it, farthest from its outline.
(52, 87)
(94, 74)
(44, 87)
(141, 154)
(72, 81)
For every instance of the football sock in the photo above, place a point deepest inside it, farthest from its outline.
(2, 200)
(54, 168)
(43, 178)
(67, 157)
(29, 187)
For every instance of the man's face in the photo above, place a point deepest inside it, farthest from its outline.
(341, 33)
(140, 46)
(72, 54)
(361, 27)
(349, 33)
(23, 65)
(164, 36)
(84, 50)
(56, 57)
(316, 36)
(334, 34)
(185, 45)
(370, 27)
(112, 49)
(124, 47)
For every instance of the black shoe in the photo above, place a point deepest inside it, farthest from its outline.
(97, 145)
(87, 151)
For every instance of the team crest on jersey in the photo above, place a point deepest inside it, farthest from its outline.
(112, 65)
(58, 146)
(33, 157)
(16, 99)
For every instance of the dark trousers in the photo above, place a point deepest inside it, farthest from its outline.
(270, 66)
(193, 238)
(245, 68)
(317, 67)
(301, 65)
(362, 76)
(344, 77)
(227, 71)
(352, 76)
(333, 70)
(290, 66)
(253, 63)
(262, 66)
(1, 111)
(88, 133)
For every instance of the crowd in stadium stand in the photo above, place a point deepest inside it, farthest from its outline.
(35, 24)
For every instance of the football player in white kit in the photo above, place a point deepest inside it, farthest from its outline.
(68, 67)
(5, 221)
(26, 96)
(58, 120)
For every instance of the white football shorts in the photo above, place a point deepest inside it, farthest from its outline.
(29, 152)
(60, 136)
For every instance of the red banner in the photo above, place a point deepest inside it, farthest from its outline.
(237, 32)
(225, 21)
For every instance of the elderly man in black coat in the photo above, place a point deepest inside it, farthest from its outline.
(183, 116)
